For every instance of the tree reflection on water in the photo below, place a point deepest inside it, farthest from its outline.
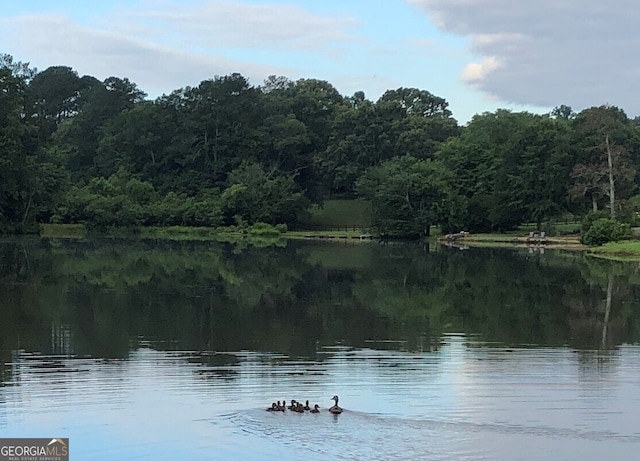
(105, 298)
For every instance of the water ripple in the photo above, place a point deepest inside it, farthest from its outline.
(466, 401)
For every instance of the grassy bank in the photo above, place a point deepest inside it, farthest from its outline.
(339, 215)
(224, 234)
(63, 230)
(628, 250)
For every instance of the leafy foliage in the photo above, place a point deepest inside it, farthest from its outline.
(604, 230)
(256, 196)
(124, 202)
(408, 195)
(78, 150)
(599, 131)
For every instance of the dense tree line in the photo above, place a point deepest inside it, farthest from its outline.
(78, 150)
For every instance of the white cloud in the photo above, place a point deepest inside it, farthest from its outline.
(235, 24)
(550, 52)
(155, 68)
(163, 46)
(475, 72)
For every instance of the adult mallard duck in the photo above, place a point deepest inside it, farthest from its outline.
(335, 409)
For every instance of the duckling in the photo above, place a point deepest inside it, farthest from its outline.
(273, 407)
(300, 408)
(281, 407)
(315, 409)
(335, 409)
(306, 405)
(293, 405)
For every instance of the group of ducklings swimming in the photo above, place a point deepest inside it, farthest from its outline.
(298, 407)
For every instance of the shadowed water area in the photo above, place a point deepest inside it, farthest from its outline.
(162, 350)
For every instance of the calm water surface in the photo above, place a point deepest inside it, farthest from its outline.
(173, 351)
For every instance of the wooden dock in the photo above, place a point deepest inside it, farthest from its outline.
(360, 237)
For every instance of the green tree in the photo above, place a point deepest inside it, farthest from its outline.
(55, 95)
(478, 161)
(406, 121)
(284, 145)
(563, 112)
(223, 114)
(354, 145)
(606, 143)
(21, 190)
(537, 170)
(313, 103)
(80, 138)
(510, 168)
(416, 120)
(258, 196)
(417, 102)
(147, 141)
(408, 195)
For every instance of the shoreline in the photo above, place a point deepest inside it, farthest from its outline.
(506, 240)
(627, 250)
(621, 251)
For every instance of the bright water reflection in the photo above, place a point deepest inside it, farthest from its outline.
(145, 352)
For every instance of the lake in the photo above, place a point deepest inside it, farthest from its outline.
(165, 350)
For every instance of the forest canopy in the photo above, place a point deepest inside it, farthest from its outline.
(74, 149)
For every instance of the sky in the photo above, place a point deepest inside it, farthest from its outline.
(479, 55)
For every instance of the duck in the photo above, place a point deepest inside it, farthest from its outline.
(299, 408)
(335, 409)
(293, 405)
(315, 409)
(306, 405)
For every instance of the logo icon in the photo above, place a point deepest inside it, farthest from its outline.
(36, 449)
